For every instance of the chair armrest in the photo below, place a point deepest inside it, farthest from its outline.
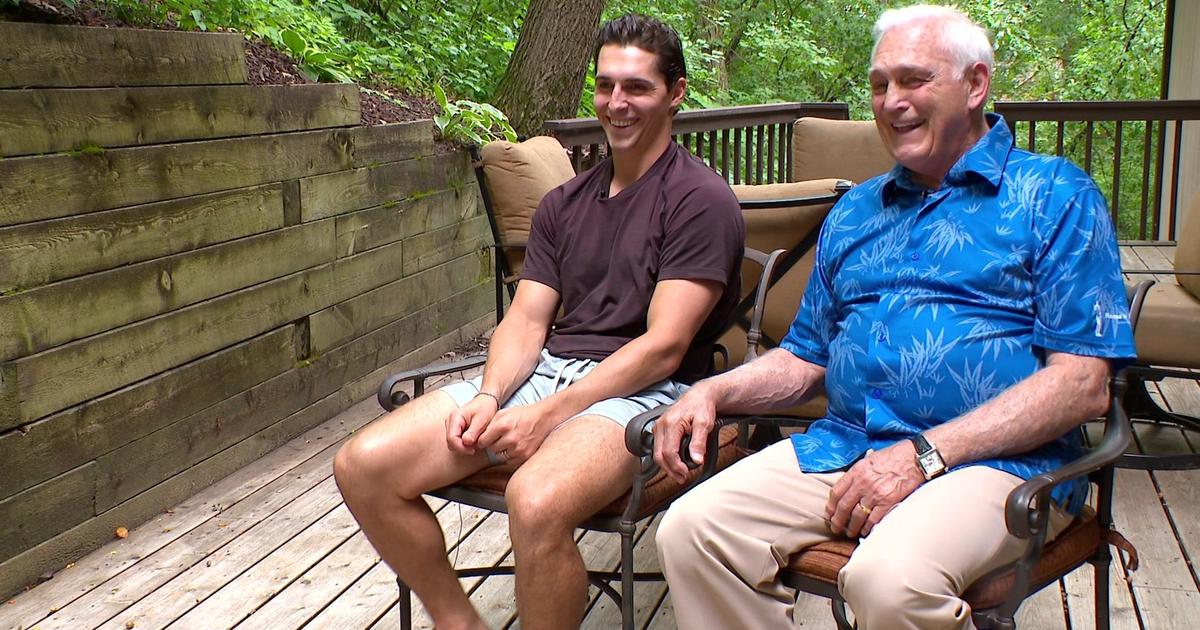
(1026, 501)
(1159, 272)
(639, 435)
(390, 401)
(1137, 296)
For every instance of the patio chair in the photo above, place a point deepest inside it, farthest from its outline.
(995, 598)
(1167, 343)
(651, 492)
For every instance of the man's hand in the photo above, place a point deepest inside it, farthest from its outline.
(693, 414)
(517, 432)
(871, 488)
(464, 424)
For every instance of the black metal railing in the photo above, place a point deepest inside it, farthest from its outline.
(749, 144)
(1131, 148)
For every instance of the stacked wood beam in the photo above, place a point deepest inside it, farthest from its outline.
(194, 270)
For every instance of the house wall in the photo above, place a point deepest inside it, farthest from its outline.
(1184, 83)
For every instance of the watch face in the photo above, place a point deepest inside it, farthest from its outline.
(931, 464)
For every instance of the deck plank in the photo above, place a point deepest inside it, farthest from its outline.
(318, 587)
(1154, 258)
(1162, 587)
(374, 592)
(105, 582)
(282, 565)
(201, 580)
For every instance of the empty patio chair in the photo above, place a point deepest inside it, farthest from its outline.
(1168, 345)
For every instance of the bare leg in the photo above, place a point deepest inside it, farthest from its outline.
(577, 471)
(382, 472)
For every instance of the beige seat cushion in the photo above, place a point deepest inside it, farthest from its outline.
(841, 149)
(517, 177)
(1168, 332)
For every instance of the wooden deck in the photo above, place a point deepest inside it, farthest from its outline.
(273, 547)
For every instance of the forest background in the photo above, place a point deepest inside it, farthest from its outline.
(738, 51)
(532, 58)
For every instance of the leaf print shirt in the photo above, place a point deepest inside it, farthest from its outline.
(925, 304)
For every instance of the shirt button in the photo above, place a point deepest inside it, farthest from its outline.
(875, 393)
(915, 256)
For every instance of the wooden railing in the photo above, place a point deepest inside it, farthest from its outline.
(1131, 148)
(749, 144)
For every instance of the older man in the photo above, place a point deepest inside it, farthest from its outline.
(963, 317)
(641, 252)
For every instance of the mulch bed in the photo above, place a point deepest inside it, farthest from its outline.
(264, 65)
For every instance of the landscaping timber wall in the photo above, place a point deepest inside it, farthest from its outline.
(194, 270)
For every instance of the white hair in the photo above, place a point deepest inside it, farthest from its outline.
(965, 41)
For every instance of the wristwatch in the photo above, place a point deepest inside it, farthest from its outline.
(929, 460)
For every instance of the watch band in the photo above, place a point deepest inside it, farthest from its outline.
(929, 460)
(922, 445)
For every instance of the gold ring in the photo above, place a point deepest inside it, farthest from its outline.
(865, 510)
(504, 457)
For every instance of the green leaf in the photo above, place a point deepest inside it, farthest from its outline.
(294, 42)
(440, 95)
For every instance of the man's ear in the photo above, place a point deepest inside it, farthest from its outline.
(979, 81)
(678, 91)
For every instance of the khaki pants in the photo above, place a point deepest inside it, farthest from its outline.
(723, 544)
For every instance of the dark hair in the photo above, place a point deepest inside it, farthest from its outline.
(651, 36)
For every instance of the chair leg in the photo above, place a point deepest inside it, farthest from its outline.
(626, 576)
(1100, 566)
(405, 604)
(838, 605)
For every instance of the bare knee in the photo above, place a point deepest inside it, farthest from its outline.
(366, 466)
(537, 508)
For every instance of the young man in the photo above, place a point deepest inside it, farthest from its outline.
(642, 253)
(962, 316)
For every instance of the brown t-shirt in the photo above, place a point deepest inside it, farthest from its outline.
(604, 255)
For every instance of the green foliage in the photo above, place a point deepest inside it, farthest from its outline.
(749, 51)
(468, 122)
(87, 150)
(415, 44)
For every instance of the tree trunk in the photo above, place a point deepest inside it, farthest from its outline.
(545, 74)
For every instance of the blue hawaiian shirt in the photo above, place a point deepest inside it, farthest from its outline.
(925, 304)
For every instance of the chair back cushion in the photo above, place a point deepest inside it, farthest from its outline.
(1187, 247)
(517, 176)
(841, 149)
(789, 228)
